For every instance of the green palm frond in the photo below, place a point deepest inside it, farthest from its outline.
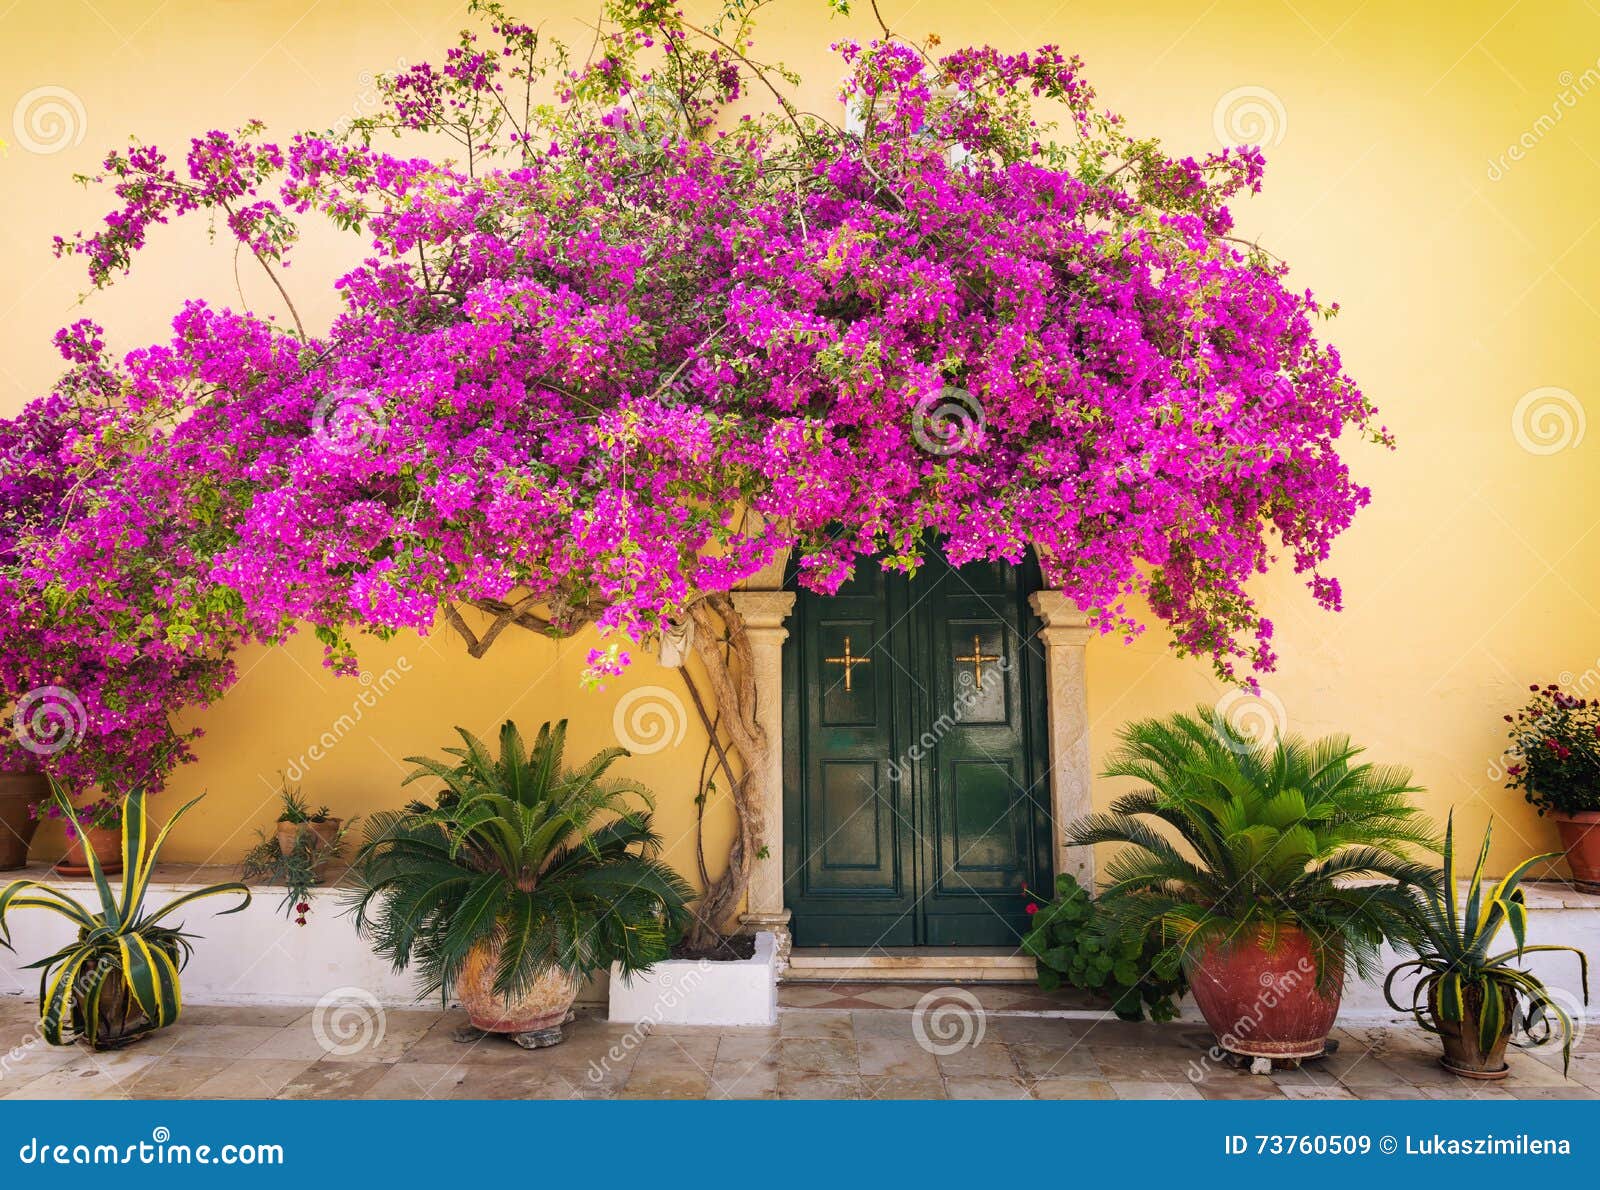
(555, 867)
(1227, 837)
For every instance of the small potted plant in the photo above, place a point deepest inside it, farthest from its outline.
(1472, 999)
(118, 979)
(1237, 857)
(519, 880)
(1556, 739)
(92, 827)
(297, 819)
(300, 869)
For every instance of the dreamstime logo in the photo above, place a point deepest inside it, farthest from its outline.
(1547, 421)
(1243, 720)
(966, 699)
(1250, 116)
(1276, 986)
(374, 687)
(947, 422)
(48, 120)
(649, 719)
(671, 991)
(948, 1020)
(345, 422)
(1573, 87)
(657, 114)
(49, 719)
(1542, 1024)
(348, 1021)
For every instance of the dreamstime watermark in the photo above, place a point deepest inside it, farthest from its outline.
(1276, 986)
(1573, 88)
(947, 422)
(48, 120)
(649, 719)
(657, 113)
(348, 1021)
(160, 1149)
(49, 719)
(671, 991)
(376, 688)
(1242, 720)
(967, 697)
(349, 421)
(948, 1020)
(369, 99)
(1250, 115)
(82, 985)
(1548, 420)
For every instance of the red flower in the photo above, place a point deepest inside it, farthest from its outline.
(1032, 909)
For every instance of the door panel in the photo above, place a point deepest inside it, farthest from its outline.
(916, 801)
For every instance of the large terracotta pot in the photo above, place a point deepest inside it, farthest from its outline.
(107, 844)
(543, 1007)
(1463, 1054)
(19, 793)
(1580, 838)
(1264, 1003)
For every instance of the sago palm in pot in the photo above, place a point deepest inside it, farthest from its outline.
(1264, 868)
(520, 880)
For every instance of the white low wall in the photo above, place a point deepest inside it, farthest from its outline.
(701, 992)
(253, 957)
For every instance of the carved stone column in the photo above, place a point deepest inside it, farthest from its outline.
(764, 613)
(1065, 635)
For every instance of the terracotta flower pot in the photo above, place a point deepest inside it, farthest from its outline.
(1463, 1054)
(107, 844)
(19, 792)
(1580, 838)
(325, 832)
(543, 1007)
(1265, 1003)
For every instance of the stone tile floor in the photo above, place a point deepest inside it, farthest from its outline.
(857, 1041)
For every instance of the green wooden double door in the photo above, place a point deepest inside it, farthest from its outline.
(916, 792)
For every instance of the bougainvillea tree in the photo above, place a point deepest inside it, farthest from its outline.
(627, 327)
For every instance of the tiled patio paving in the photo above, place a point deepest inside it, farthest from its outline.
(855, 1041)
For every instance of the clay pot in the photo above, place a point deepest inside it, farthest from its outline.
(1580, 838)
(107, 844)
(325, 832)
(1463, 1054)
(19, 793)
(543, 1007)
(1265, 1003)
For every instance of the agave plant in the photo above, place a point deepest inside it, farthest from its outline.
(554, 868)
(1460, 984)
(120, 978)
(1275, 834)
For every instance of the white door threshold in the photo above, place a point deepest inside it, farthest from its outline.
(943, 964)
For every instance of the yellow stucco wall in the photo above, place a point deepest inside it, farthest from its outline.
(1468, 280)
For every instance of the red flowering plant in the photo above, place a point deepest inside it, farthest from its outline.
(621, 341)
(1555, 739)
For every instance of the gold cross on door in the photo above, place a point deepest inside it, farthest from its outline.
(977, 658)
(849, 661)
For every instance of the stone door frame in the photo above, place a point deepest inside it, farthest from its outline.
(765, 608)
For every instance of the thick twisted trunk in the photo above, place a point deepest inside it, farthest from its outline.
(724, 651)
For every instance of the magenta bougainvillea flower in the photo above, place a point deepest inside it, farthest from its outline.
(620, 329)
